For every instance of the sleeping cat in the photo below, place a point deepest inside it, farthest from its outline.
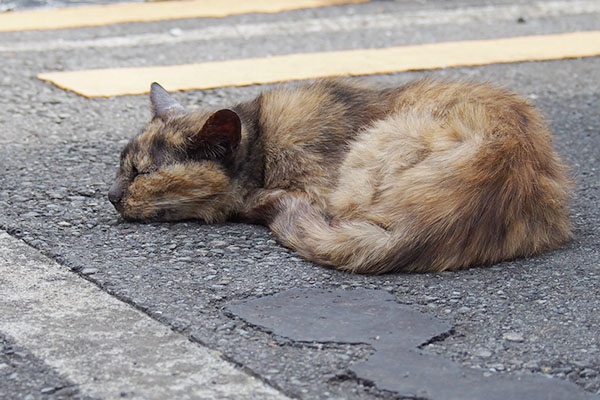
(429, 176)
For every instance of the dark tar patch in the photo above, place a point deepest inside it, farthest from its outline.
(395, 332)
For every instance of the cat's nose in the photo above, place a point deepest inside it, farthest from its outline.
(115, 194)
(114, 197)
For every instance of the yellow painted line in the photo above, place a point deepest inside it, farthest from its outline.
(123, 81)
(72, 17)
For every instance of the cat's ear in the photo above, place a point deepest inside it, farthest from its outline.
(221, 133)
(163, 105)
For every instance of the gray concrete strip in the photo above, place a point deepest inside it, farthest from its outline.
(344, 23)
(106, 347)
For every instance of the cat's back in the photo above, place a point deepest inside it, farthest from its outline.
(306, 129)
(335, 107)
(438, 96)
(480, 107)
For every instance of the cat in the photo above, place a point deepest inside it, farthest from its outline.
(428, 176)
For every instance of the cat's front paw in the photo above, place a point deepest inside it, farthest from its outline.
(263, 206)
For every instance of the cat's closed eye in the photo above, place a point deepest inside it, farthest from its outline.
(138, 171)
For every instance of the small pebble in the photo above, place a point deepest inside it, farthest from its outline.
(532, 365)
(483, 353)
(513, 337)
(497, 367)
(588, 373)
(89, 271)
(175, 32)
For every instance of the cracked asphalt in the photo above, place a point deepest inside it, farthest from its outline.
(59, 152)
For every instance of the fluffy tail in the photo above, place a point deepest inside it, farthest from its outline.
(355, 246)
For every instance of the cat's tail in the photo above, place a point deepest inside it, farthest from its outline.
(350, 245)
(355, 246)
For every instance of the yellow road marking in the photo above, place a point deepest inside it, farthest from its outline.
(123, 81)
(72, 17)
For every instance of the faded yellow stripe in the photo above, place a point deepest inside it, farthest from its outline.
(123, 81)
(73, 17)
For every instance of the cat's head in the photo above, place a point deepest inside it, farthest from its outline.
(179, 166)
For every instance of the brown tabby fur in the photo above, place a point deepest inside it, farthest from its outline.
(429, 176)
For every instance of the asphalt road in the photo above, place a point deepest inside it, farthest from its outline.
(535, 317)
(18, 5)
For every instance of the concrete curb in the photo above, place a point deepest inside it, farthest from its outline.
(106, 347)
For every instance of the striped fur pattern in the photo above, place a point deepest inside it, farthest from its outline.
(429, 176)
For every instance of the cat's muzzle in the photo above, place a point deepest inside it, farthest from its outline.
(115, 195)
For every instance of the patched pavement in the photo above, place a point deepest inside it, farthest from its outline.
(520, 321)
